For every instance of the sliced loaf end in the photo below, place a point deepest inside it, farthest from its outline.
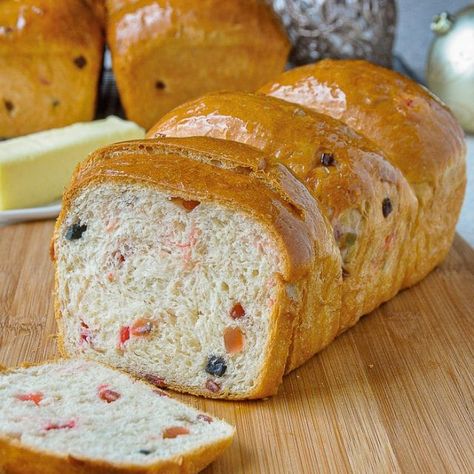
(181, 272)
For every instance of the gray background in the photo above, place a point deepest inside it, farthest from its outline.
(412, 43)
(413, 32)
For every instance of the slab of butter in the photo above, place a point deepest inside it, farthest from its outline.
(35, 169)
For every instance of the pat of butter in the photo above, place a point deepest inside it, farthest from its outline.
(36, 168)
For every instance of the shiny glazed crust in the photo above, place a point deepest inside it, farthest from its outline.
(238, 177)
(50, 62)
(416, 132)
(18, 459)
(351, 191)
(168, 51)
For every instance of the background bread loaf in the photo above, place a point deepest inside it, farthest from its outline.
(50, 62)
(168, 51)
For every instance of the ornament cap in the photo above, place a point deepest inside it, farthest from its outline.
(442, 23)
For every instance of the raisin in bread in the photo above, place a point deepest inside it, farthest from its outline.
(195, 262)
(368, 202)
(168, 51)
(50, 62)
(77, 417)
(417, 133)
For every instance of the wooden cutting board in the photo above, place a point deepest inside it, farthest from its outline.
(393, 394)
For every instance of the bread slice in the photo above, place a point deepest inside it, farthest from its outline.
(368, 202)
(78, 416)
(191, 263)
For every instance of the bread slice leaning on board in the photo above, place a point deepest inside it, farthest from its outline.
(195, 263)
(81, 417)
(417, 133)
(368, 202)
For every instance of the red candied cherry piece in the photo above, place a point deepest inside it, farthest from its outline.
(118, 256)
(212, 386)
(108, 395)
(85, 334)
(174, 431)
(156, 380)
(204, 417)
(60, 426)
(124, 334)
(35, 397)
(141, 327)
(237, 311)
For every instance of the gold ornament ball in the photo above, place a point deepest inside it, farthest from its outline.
(450, 68)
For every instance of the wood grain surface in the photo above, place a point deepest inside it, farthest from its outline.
(393, 394)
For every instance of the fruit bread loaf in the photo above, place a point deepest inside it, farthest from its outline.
(196, 263)
(81, 417)
(50, 62)
(368, 202)
(168, 51)
(417, 133)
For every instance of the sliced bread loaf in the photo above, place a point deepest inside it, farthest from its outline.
(77, 416)
(193, 263)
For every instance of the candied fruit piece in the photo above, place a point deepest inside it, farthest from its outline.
(108, 395)
(75, 231)
(387, 207)
(141, 327)
(327, 159)
(237, 311)
(35, 397)
(205, 418)
(60, 426)
(212, 386)
(216, 366)
(175, 431)
(187, 205)
(234, 340)
(118, 256)
(124, 334)
(155, 380)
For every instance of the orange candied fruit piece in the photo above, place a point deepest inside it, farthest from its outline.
(234, 340)
(188, 205)
(175, 431)
(35, 397)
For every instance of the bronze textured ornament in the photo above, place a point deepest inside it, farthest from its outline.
(339, 29)
(450, 68)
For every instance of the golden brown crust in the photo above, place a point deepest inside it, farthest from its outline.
(50, 62)
(168, 51)
(417, 133)
(16, 458)
(208, 169)
(351, 191)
